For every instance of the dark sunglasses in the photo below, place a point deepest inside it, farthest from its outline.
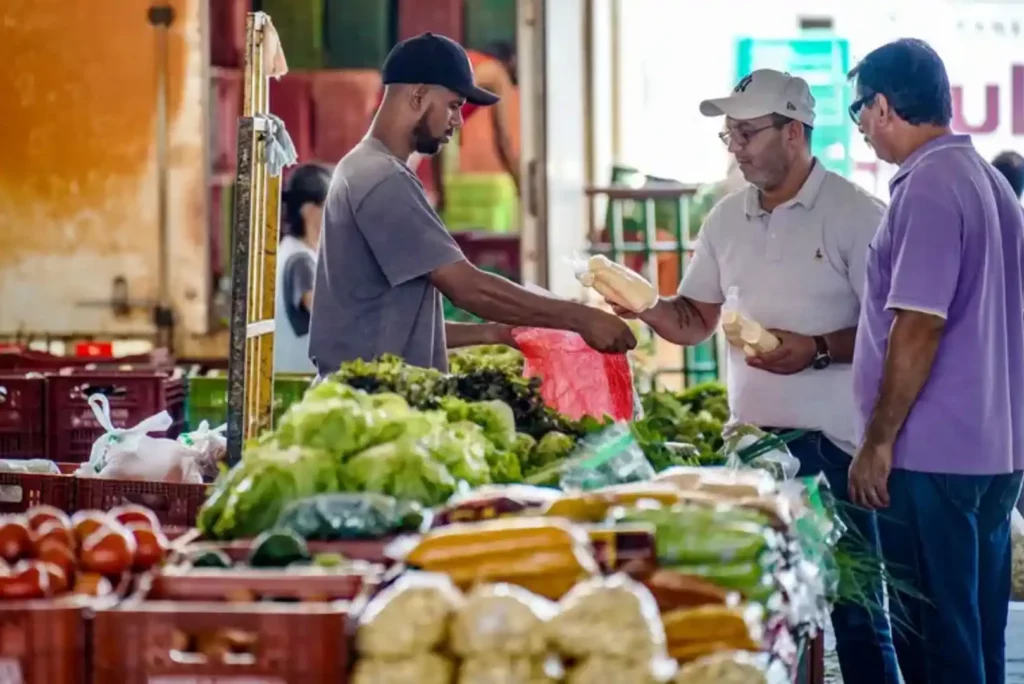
(858, 106)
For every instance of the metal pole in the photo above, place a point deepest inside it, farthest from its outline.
(161, 17)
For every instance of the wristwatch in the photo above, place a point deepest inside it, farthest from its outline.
(822, 356)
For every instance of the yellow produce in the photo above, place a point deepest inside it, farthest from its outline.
(618, 284)
(465, 542)
(714, 623)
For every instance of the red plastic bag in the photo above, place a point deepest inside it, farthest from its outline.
(576, 380)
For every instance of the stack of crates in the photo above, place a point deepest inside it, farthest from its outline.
(481, 202)
(208, 397)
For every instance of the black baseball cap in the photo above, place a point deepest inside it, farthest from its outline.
(432, 59)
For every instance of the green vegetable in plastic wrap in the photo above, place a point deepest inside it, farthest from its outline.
(403, 469)
(608, 458)
(729, 543)
(333, 517)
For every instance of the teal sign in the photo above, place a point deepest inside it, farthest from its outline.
(823, 63)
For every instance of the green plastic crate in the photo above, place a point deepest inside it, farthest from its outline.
(360, 33)
(300, 24)
(481, 201)
(487, 22)
(208, 397)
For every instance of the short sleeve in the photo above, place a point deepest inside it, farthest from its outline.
(865, 216)
(298, 278)
(702, 280)
(403, 231)
(925, 243)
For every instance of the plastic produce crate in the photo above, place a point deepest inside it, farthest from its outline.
(295, 643)
(133, 395)
(208, 397)
(22, 414)
(21, 491)
(175, 504)
(43, 642)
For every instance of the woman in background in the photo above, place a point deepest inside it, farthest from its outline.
(296, 267)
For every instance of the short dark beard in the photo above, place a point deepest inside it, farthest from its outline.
(422, 141)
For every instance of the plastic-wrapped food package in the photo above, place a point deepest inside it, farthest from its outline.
(748, 446)
(696, 632)
(735, 667)
(502, 619)
(497, 669)
(210, 447)
(35, 466)
(599, 669)
(618, 284)
(489, 502)
(593, 506)
(545, 556)
(610, 457)
(609, 616)
(726, 482)
(332, 517)
(421, 668)
(409, 617)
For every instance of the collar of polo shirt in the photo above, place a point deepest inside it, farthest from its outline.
(806, 197)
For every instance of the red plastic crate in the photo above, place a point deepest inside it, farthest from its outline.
(176, 504)
(226, 100)
(22, 415)
(438, 16)
(291, 98)
(227, 32)
(344, 102)
(499, 253)
(21, 491)
(133, 395)
(25, 360)
(43, 642)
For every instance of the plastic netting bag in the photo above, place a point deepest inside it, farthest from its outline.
(577, 380)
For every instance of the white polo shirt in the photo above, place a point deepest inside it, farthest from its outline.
(798, 268)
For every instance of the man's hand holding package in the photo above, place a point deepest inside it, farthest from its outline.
(794, 353)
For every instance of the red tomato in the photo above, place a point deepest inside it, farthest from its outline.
(131, 513)
(109, 551)
(38, 515)
(15, 539)
(53, 531)
(150, 547)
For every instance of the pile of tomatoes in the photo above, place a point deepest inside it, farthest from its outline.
(46, 553)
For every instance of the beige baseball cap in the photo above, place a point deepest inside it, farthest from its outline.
(764, 92)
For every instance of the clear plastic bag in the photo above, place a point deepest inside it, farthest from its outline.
(748, 446)
(409, 617)
(618, 284)
(610, 457)
(346, 516)
(210, 446)
(421, 668)
(609, 616)
(724, 482)
(576, 380)
(502, 619)
(132, 454)
(732, 667)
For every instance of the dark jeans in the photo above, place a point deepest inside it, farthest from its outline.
(948, 538)
(864, 641)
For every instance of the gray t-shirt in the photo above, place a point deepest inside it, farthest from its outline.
(381, 239)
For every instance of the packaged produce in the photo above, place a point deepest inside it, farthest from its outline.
(748, 446)
(715, 623)
(502, 619)
(620, 545)
(409, 617)
(742, 331)
(457, 545)
(724, 481)
(729, 668)
(498, 669)
(673, 590)
(331, 517)
(278, 548)
(593, 506)
(601, 669)
(132, 454)
(35, 466)
(489, 502)
(422, 668)
(606, 458)
(210, 447)
(616, 283)
(609, 616)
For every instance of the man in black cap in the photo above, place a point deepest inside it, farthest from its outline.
(385, 256)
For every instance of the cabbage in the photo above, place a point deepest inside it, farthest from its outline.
(462, 448)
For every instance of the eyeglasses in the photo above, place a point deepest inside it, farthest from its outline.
(742, 137)
(858, 107)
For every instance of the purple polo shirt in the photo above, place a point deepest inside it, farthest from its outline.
(951, 244)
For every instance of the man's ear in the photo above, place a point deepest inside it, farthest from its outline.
(885, 111)
(418, 97)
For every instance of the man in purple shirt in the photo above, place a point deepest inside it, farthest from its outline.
(939, 373)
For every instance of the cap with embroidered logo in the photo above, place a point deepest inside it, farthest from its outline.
(764, 92)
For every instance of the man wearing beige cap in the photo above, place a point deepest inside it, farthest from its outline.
(792, 246)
